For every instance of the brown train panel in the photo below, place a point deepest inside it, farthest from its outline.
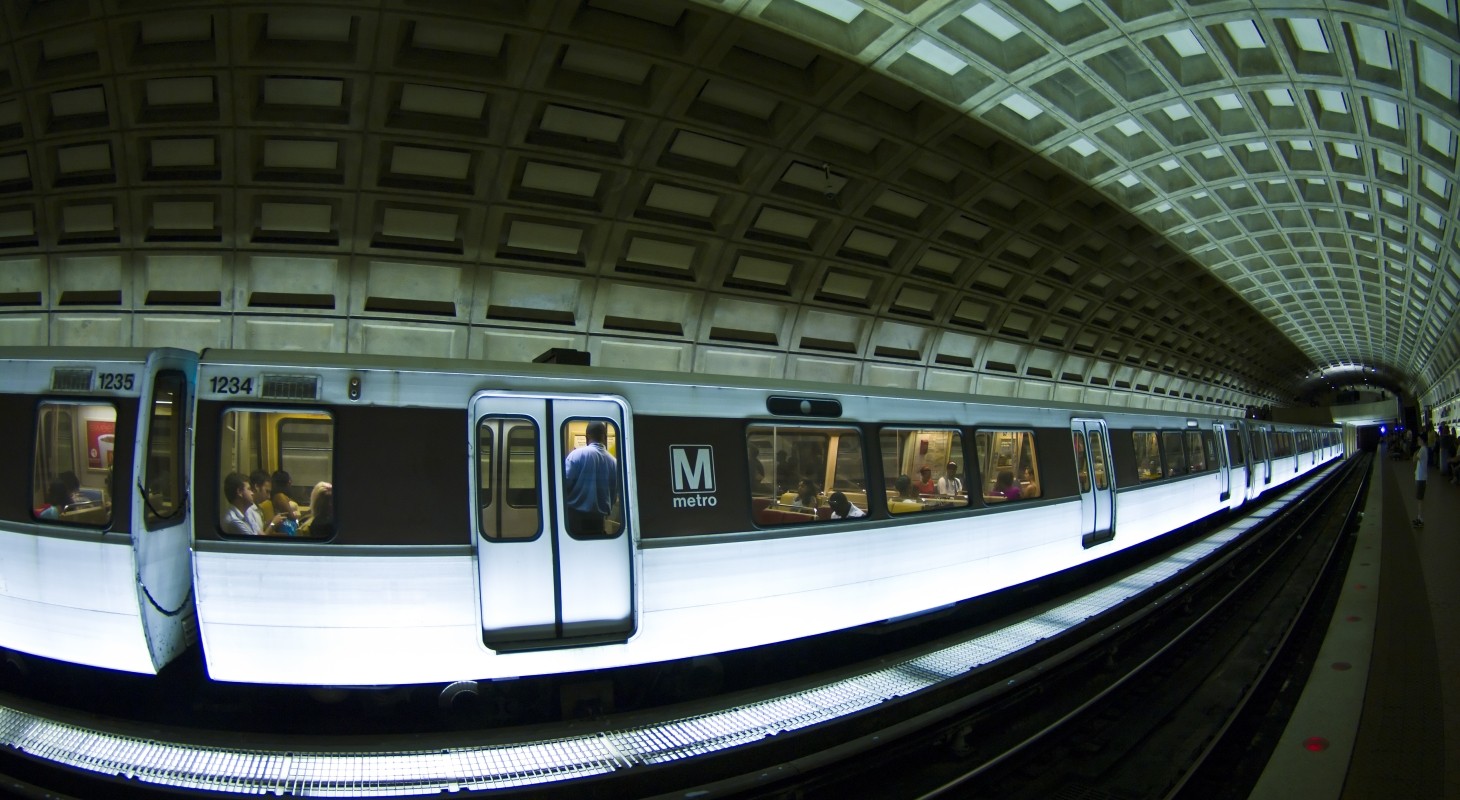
(691, 506)
(1056, 463)
(17, 430)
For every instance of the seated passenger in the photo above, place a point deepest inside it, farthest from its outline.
(807, 495)
(73, 489)
(757, 476)
(57, 497)
(926, 484)
(321, 520)
(950, 484)
(241, 517)
(842, 508)
(1005, 486)
(258, 482)
(905, 488)
(1029, 483)
(283, 505)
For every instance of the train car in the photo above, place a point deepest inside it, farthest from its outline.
(95, 563)
(438, 522)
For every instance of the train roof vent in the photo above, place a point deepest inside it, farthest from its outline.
(71, 379)
(291, 387)
(803, 407)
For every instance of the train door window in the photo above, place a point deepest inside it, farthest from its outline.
(1196, 457)
(1082, 466)
(507, 485)
(592, 478)
(1097, 456)
(1209, 448)
(162, 474)
(1234, 448)
(1148, 456)
(811, 463)
(74, 456)
(922, 468)
(1174, 451)
(1008, 465)
(295, 450)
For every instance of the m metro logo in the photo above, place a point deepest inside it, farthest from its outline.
(692, 475)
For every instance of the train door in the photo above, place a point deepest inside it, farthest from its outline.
(160, 536)
(1261, 458)
(552, 574)
(1092, 468)
(1224, 463)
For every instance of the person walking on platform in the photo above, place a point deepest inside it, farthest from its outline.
(1421, 476)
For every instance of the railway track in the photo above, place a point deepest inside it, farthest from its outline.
(1181, 700)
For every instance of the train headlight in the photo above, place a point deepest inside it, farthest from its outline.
(354, 387)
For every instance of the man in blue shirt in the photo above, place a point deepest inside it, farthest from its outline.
(590, 483)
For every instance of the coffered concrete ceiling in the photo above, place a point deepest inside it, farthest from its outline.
(1189, 205)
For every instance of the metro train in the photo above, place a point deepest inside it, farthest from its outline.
(743, 512)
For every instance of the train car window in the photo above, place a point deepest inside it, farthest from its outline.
(1097, 455)
(1235, 451)
(1007, 465)
(507, 486)
(810, 465)
(1148, 456)
(278, 467)
(1196, 458)
(74, 455)
(592, 502)
(1082, 466)
(922, 469)
(1259, 445)
(1209, 447)
(1174, 453)
(162, 476)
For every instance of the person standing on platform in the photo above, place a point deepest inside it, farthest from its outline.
(1421, 476)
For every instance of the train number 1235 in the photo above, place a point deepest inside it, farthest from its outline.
(117, 381)
(231, 384)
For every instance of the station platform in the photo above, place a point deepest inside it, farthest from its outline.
(1380, 716)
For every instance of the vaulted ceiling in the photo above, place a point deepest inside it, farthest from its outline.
(1145, 202)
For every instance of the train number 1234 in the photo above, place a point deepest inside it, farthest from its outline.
(231, 384)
